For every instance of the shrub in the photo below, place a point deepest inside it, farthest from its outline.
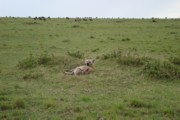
(163, 69)
(154, 21)
(85, 19)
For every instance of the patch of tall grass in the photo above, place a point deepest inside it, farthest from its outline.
(162, 69)
(129, 58)
(152, 67)
(76, 54)
(33, 61)
(175, 60)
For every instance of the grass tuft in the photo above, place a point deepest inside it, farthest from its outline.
(139, 104)
(75, 26)
(19, 103)
(76, 54)
(43, 58)
(32, 75)
(114, 54)
(5, 106)
(29, 62)
(66, 41)
(49, 104)
(91, 37)
(2, 98)
(95, 50)
(125, 39)
(175, 60)
(85, 99)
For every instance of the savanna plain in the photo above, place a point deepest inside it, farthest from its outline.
(136, 74)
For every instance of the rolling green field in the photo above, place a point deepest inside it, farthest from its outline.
(137, 73)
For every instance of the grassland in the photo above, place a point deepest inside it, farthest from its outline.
(137, 73)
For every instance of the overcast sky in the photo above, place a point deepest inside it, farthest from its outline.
(91, 8)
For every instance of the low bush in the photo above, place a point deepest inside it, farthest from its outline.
(163, 69)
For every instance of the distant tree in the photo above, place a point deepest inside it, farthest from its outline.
(35, 18)
(85, 19)
(90, 19)
(42, 18)
(77, 19)
(153, 19)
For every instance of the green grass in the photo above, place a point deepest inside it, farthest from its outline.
(136, 74)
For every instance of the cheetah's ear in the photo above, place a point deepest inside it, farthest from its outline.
(93, 61)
